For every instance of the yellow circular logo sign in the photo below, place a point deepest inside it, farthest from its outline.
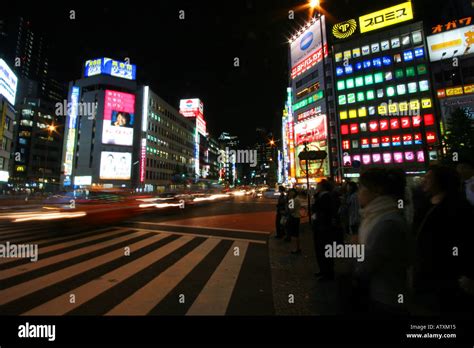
(344, 29)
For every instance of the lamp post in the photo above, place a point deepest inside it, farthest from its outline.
(51, 128)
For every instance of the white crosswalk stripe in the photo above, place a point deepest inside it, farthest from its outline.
(27, 281)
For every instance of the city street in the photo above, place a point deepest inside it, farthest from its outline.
(206, 260)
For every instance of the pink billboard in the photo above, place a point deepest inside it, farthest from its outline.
(119, 118)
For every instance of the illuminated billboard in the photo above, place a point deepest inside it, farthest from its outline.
(8, 82)
(311, 130)
(115, 165)
(108, 66)
(384, 100)
(307, 49)
(191, 107)
(71, 133)
(449, 44)
(119, 117)
(314, 133)
(386, 17)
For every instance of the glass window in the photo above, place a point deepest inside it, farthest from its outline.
(388, 75)
(359, 81)
(380, 93)
(360, 96)
(371, 110)
(352, 113)
(365, 50)
(362, 112)
(385, 45)
(370, 94)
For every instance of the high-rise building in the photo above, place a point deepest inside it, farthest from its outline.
(38, 145)
(8, 88)
(452, 65)
(166, 156)
(312, 114)
(119, 134)
(25, 49)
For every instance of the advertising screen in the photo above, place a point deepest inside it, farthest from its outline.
(383, 18)
(119, 117)
(311, 130)
(115, 165)
(451, 43)
(191, 107)
(108, 66)
(316, 168)
(8, 82)
(306, 50)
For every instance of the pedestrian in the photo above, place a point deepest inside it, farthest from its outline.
(323, 228)
(380, 279)
(466, 171)
(293, 225)
(444, 247)
(281, 219)
(353, 208)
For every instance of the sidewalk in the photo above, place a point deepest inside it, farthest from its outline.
(294, 275)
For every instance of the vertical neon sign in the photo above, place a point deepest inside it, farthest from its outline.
(144, 129)
(71, 134)
(291, 135)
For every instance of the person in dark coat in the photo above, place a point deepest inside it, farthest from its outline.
(323, 228)
(444, 247)
(281, 204)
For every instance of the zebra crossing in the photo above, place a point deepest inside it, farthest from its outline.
(138, 268)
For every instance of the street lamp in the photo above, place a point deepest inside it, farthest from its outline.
(314, 3)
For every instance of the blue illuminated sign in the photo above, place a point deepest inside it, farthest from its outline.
(367, 64)
(358, 66)
(107, 66)
(377, 62)
(387, 60)
(408, 56)
(73, 107)
(419, 52)
(339, 71)
(348, 69)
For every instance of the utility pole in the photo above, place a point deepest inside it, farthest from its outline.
(307, 180)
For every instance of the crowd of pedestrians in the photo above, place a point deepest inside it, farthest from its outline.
(417, 238)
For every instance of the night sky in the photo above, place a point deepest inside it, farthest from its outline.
(193, 57)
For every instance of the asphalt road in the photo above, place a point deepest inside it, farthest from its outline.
(206, 260)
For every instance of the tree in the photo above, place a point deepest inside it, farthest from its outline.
(459, 136)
